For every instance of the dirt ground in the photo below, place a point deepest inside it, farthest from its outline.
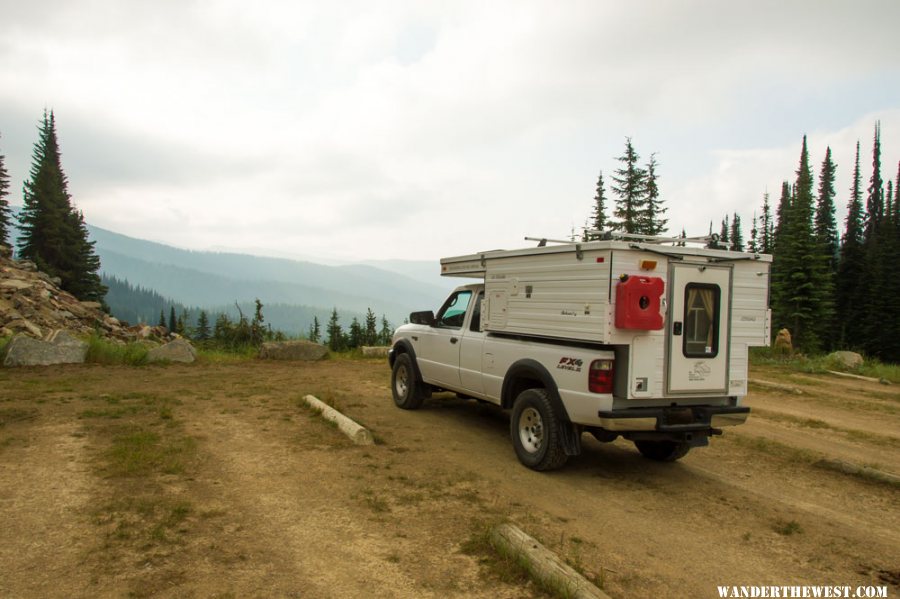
(214, 480)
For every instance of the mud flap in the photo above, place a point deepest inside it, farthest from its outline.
(570, 436)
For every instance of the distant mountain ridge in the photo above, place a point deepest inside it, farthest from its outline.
(210, 280)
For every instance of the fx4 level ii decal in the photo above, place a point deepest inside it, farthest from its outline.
(573, 364)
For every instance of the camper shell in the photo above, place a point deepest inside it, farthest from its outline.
(644, 297)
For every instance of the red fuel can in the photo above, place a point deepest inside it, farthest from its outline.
(638, 303)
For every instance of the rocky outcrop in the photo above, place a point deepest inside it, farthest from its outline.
(59, 348)
(32, 303)
(292, 350)
(179, 350)
(848, 360)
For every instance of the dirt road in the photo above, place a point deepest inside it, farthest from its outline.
(213, 480)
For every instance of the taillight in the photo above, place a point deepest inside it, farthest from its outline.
(600, 376)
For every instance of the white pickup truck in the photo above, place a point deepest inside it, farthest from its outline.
(487, 342)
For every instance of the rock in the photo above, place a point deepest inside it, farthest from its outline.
(783, 346)
(292, 350)
(174, 351)
(848, 360)
(25, 325)
(375, 351)
(92, 305)
(60, 348)
(16, 284)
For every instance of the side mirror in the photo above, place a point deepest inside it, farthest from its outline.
(425, 317)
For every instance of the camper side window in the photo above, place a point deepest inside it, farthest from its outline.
(701, 320)
(453, 312)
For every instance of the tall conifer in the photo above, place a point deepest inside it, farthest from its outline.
(54, 235)
(848, 295)
(652, 221)
(630, 181)
(599, 221)
(827, 242)
(767, 232)
(737, 236)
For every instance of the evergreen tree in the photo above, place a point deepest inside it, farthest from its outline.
(652, 221)
(877, 260)
(202, 331)
(737, 236)
(767, 233)
(724, 238)
(173, 322)
(875, 200)
(798, 287)
(5, 222)
(222, 328)
(257, 328)
(386, 333)
(784, 206)
(162, 319)
(630, 187)
(181, 324)
(848, 295)
(826, 236)
(753, 245)
(315, 330)
(54, 235)
(599, 220)
(371, 334)
(335, 332)
(355, 336)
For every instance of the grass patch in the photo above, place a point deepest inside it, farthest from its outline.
(226, 356)
(142, 452)
(9, 415)
(820, 364)
(787, 528)
(105, 351)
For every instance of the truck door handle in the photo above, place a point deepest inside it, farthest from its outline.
(453, 339)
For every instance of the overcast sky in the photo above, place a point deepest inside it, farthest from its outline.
(359, 130)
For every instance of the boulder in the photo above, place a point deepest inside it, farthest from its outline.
(378, 351)
(847, 360)
(60, 348)
(174, 351)
(292, 350)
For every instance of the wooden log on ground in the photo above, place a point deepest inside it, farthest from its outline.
(860, 377)
(544, 564)
(776, 386)
(357, 433)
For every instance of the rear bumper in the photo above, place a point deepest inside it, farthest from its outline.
(673, 420)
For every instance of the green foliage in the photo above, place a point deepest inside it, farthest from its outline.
(106, 351)
(202, 331)
(54, 235)
(630, 187)
(651, 217)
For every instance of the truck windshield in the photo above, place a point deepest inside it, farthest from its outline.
(453, 312)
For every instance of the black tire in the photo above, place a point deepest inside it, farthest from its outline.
(663, 451)
(406, 387)
(535, 432)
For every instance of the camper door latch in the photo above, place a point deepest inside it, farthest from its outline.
(676, 328)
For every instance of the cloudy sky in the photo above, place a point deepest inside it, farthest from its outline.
(356, 130)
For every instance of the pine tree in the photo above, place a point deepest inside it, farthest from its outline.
(371, 333)
(651, 218)
(335, 332)
(724, 238)
(875, 200)
(315, 330)
(355, 336)
(767, 233)
(598, 220)
(798, 295)
(848, 294)
(5, 222)
(737, 236)
(173, 322)
(753, 244)
(827, 242)
(877, 261)
(781, 211)
(630, 183)
(202, 331)
(386, 333)
(54, 235)
(257, 328)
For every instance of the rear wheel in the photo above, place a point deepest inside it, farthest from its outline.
(534, 428)
(405, 385)
(663, 451)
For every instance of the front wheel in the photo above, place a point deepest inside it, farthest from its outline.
(535, 432)
(663, 451)
(405, 385)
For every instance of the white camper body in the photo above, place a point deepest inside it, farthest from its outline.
(680, 318)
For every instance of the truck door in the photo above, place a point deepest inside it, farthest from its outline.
(472, 351)
(698, 328)
(437, 351)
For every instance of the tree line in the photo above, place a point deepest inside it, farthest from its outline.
(831, 290)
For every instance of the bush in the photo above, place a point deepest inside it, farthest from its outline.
(105, 351)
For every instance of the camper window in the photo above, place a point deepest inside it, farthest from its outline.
(453, 312)
(701, 319)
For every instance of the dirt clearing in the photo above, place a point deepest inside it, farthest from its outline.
(214, 480)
